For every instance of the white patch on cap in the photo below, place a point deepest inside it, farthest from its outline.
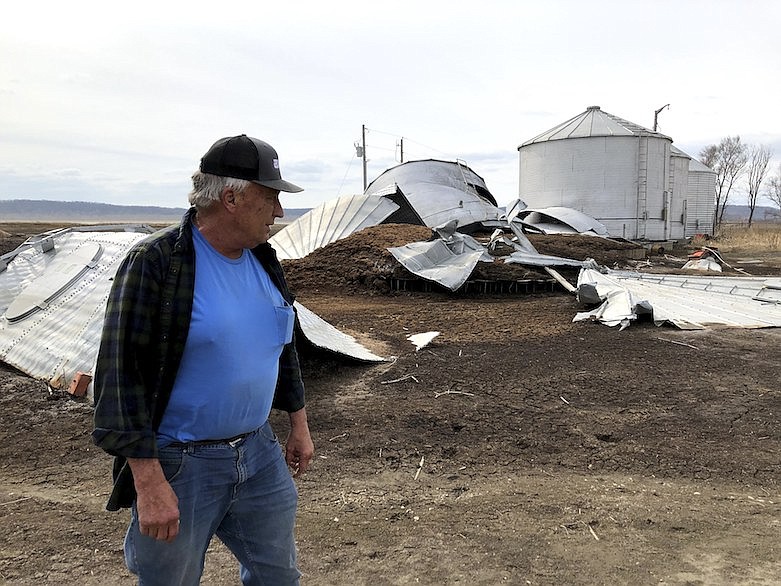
(276, 163)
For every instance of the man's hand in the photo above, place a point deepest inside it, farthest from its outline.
(156, 502)
(299, 449)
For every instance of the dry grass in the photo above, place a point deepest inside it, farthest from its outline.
(761, 237)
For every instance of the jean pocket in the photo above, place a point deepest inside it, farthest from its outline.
(172, 462)
(266, 432)
(285, 319)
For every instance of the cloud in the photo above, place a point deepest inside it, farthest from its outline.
(131, 95)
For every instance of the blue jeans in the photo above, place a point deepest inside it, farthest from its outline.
(242, 493)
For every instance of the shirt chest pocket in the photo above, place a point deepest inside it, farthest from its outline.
(285, 319)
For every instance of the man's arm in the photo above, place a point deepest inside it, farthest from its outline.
(156, 503)
(123, 401)
(299, 449)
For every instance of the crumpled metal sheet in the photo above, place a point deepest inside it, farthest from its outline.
(690, 303)
(448, 261)
(544, 260)
(436, 262)
(562, 220)
(703, 264)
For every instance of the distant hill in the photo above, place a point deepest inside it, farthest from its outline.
(40, 210)
(739, 213)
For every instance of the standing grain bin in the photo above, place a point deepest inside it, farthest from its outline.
(611, 169)
(699, 206)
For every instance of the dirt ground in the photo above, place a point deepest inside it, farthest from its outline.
(518, 448)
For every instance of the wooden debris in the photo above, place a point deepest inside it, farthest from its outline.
(591, 530)
(398, 380)
(449, 392)
(420, 467)
(26, 498)
(677, 342)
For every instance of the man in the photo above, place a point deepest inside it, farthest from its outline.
(197, 346)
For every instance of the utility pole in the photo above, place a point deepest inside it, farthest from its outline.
(363, 152)
(360, 151)
(401, 148)
(656, 115)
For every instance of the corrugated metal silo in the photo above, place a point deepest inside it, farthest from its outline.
(678, 187)
(609, 168)
(701, 199)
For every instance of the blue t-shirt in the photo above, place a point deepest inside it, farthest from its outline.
(240, 323)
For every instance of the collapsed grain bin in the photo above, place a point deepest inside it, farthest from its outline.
(433, 192)
(622, 174)
(427, 192)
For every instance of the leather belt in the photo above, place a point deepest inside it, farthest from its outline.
(233, 441)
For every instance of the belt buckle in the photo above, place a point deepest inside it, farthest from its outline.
(235, 442)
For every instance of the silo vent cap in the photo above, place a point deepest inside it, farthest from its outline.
(593, 108)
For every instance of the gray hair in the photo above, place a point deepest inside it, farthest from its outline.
(207, 188)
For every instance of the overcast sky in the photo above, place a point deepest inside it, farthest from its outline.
(116, 103)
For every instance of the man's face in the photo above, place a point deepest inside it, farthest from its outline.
(258, 208)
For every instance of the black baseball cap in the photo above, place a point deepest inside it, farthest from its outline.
(244, 157)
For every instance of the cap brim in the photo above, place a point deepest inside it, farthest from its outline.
(281, 185)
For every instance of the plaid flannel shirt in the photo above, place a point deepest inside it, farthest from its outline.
(144, 333)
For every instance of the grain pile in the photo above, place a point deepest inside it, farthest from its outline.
(362, 263)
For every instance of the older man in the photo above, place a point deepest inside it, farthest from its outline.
(198, 345)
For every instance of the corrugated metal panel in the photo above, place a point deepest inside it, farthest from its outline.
(748, 287)
(323, 335)
(679, 193)
(329, 222)
(544, 260)
(700, 199)
(62, 338)
(701, 202)
(595, 176)
(709, 302)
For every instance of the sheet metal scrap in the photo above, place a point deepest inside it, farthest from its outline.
(715, 302)
(52, 301)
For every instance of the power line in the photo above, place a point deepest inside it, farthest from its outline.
(349, 164)
(407, 140)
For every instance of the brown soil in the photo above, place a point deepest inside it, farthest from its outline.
(518, 448)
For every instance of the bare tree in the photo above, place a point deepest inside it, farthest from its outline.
(728, 159)
(774, 193)
(758, 160)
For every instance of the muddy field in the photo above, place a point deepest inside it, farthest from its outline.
(518, 448)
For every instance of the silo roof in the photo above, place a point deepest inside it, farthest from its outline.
(594, 122)
(694, 164)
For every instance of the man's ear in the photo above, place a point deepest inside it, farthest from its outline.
(228, 198)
